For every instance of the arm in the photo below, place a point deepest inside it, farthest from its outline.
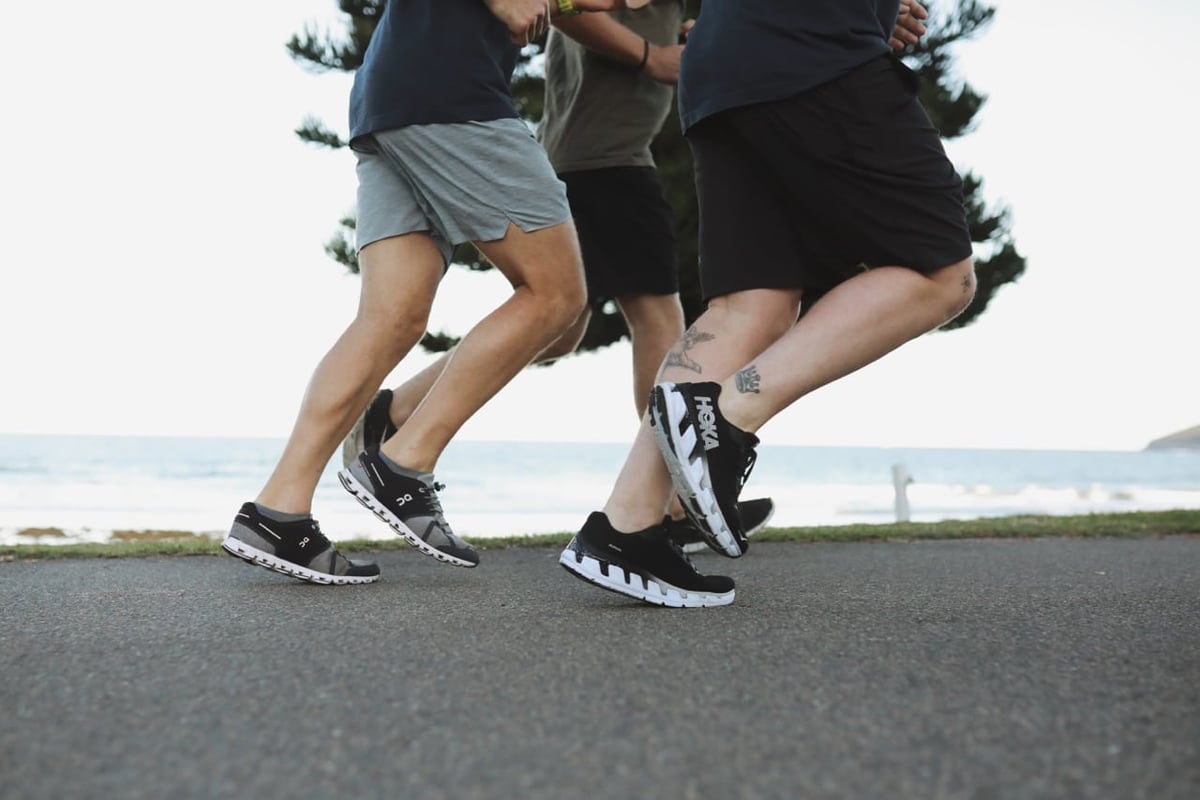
(529, 19)
(605, 36)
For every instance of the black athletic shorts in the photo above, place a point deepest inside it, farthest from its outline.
(807, 191)
(626, 232)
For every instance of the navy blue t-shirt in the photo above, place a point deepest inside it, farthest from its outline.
(742, 52)
(433, 61)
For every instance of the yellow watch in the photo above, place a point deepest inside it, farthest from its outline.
(566, 8)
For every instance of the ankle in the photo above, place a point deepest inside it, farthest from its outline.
(624, 520)
(738, 410)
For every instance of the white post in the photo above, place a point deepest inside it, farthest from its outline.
(900, 480)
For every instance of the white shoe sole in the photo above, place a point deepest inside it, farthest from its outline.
(364, 496)
(701, 547)
(650, 590)
(237, 547)
(689, 473)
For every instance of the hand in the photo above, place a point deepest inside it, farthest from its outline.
(909, 27)
(526, 20)
(662, 64)
(608, 5)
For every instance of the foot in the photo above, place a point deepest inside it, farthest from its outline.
(645, 565)
(708, 458)
(754, 514)
(372, 428)
(295, 548)
(407, 501)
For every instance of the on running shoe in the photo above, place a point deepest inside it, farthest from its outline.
(295, 548)
(646, 565)
(754, 514)
(373, 427)
(407, 501)
(708, 458)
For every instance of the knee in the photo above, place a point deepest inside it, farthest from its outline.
(574, 301)
(653, 317)
(563, 304)
(567, 342)
(397, 330)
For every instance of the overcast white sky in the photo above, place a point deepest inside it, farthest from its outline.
(162, 233)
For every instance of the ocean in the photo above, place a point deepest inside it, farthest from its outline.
(90, 486)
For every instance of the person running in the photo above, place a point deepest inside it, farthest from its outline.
(832, 231)
(609, 86)
(443, 158)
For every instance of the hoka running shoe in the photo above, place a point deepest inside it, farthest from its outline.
(646, 565)
(708, 458)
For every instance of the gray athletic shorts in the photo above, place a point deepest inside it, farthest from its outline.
(461, 182)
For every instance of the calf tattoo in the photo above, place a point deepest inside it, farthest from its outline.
(678, 355)
(747, 380)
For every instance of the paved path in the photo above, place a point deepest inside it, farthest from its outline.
(969, 669)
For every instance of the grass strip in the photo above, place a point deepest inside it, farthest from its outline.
(1136, 524)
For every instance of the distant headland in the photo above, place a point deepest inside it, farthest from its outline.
(1182, 440)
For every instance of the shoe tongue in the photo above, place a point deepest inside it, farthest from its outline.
(744, 438)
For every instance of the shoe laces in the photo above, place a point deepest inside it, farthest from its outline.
(430, 492)
(316, 533)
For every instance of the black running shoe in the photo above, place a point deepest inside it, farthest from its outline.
(372, 428)
(754, 514)
(645, 564)
(296, 548)
(408, 503)
(709, 459)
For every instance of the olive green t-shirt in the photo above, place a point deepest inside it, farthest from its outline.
(601, 113)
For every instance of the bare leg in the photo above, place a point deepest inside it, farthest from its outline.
(725, 336)
(408, 395)
(748, 343)
(655, 323)
(382, 332)
(856, 323)
(545, 271)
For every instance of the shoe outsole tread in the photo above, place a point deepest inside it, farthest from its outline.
(616, 578)
(367, 499)
(252, 555)
(692, 548)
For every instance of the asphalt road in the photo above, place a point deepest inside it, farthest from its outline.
(970, 669)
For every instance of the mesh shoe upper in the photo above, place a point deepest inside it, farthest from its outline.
(295, 548)
(408, 502)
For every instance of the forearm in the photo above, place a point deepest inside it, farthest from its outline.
(605, 36)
